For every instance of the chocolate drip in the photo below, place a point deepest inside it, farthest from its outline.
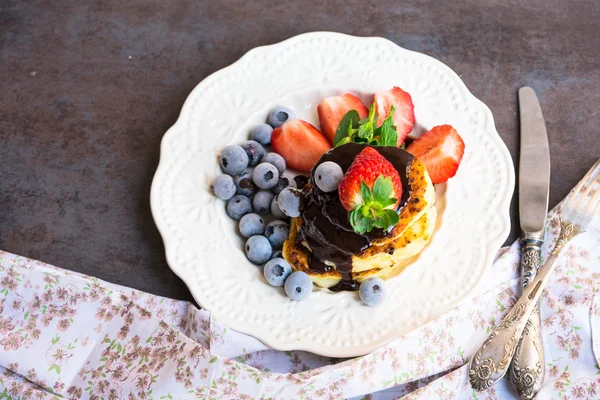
(325, 227)
(301, 181)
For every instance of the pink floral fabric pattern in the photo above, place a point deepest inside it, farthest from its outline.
(65, 335)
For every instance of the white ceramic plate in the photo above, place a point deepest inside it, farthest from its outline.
(202, 244)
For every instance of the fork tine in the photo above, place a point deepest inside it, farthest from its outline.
(594, 203)
(584, 183)
(591, 183)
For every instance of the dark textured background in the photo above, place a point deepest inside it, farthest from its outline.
(87, 91)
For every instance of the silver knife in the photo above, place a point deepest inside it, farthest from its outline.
(527, 368)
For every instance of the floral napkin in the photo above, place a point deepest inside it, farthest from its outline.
(63, 334)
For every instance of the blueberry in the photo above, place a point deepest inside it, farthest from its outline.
(328, 176)
(276, 271)
(279, 116)
(238, 206)
(262, 134)
(258, 249)
(251, 224)
(284, 182)
(289, 202)
(262, 202)
(223, 187)
(234, 159)
(265, 176)
(275, 210)
(276, 160)
(254, 151)
(298, 286)
(277, 232)
(244, 185)
(277, 254)
(372, 291)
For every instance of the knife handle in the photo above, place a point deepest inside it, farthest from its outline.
(530, 259)
(527, 368)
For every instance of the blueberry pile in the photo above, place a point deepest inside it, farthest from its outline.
(257, 188)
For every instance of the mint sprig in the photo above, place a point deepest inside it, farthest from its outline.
(351, 129)
(374, 211)
(347, 127)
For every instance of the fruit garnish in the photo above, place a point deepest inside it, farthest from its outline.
(276, 271)
(277, 232)
(265, 175)
(298, 286)
(300, 144)
(289, 202)
(328, 176)
(333, 109)
(370, 190)
(354, 129)
(372, 291)
(404, 114)
(280, 115)
(258, 249)
(441, 150)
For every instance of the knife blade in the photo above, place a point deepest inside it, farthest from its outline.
(528, 366)
(534, 166)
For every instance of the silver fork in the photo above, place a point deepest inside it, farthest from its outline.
(492, 359)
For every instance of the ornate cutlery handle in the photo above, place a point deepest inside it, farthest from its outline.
(491, 361)
(528, 367)
(530, 259)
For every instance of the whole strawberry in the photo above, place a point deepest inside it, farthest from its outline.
(371, 190)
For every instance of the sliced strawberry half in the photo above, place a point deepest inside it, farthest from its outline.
(332, 110)
(441, 150)
(300, 144)
(404, 114)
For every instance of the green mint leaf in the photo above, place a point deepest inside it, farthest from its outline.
(372, 112)
(365, 193)
(365, 131)
(403, 146)
(345, 126)
(382, 189)
(345, 140)
(366, 128)
(388, 135)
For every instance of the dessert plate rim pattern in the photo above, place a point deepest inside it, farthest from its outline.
(202, 244)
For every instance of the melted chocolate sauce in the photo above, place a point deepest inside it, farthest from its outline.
(301, 181)
(325, 226)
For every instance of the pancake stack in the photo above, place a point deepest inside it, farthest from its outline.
(323, 244)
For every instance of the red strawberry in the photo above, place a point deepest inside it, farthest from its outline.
(332, 110)
(370, 190)
(441, 150)
(367, 166)
(404, 114)
(300, 144)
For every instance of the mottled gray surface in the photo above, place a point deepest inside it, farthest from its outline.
(89, 90)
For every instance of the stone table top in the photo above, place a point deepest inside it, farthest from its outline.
(88, 90)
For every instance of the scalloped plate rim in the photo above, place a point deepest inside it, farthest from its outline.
(496, 242)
